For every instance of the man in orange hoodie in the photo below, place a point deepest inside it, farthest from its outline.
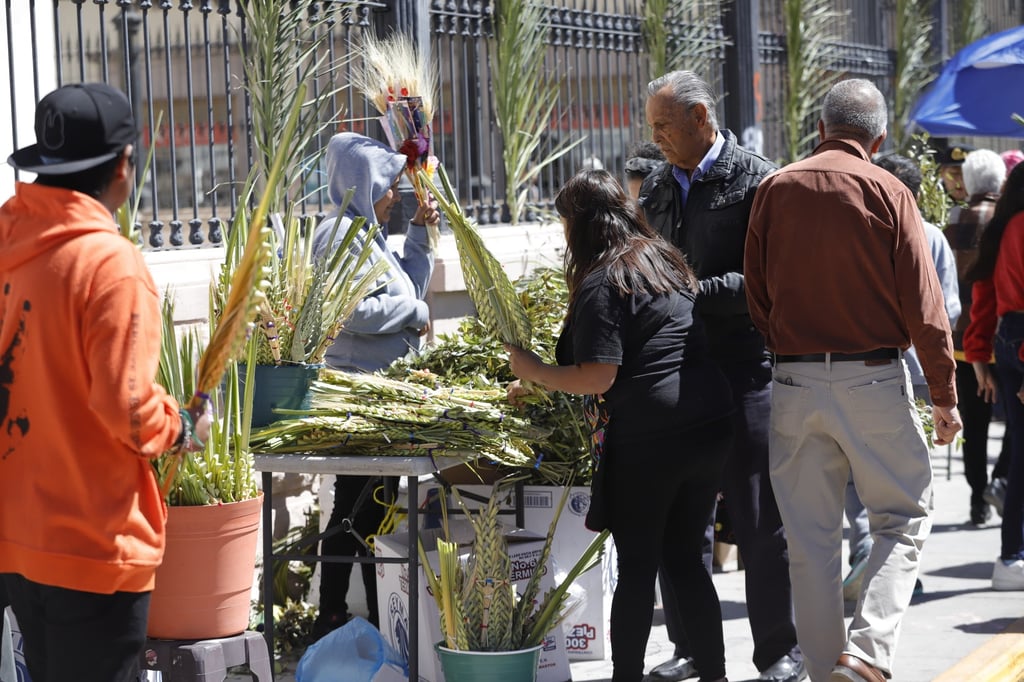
(81, 418)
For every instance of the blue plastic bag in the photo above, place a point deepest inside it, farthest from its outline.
(355, 652)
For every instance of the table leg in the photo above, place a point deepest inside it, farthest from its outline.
(414, 578)
(268, 563)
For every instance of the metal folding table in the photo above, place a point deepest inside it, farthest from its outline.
(348, 465)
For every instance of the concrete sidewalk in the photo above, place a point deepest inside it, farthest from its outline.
(957, 614)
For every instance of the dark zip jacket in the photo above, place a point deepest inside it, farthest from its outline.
(711, 231)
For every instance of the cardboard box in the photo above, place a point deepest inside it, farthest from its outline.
(726, 557)
(393, 599)
(587, 636)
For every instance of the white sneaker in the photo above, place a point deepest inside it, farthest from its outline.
(1008, 576)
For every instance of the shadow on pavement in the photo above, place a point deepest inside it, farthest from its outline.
(959, 527)
(945, 594)
(994, 626)
(978, 570)
(733, 610)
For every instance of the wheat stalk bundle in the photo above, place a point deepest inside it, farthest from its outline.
(402, 86)
(497, 303)
(369, 414)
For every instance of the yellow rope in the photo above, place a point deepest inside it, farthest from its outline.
(392, 516)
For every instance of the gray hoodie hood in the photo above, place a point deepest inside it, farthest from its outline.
(358, 161)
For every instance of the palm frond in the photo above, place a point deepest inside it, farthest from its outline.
(684, 35)
(221, 472)
(914, 23)
(310, 297)
(811, 31)
(497, 304)
(246, 292)
(968, 24)
(286, 48)
(127, 214)
(525, 93)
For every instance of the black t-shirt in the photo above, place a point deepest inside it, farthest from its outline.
(666, 380)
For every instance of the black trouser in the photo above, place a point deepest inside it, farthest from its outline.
(746, 486)
(976, 415)
(81, 636)
(661, 491)
(1007, 343)
(335, 577)
(669, 598)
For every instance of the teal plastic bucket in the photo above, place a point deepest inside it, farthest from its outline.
(278, 386)
(493, 666)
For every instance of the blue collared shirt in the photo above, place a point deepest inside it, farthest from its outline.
(685, 181)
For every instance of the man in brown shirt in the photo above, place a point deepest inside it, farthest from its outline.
(840, 281)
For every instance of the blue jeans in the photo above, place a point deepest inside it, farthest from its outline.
(1008, 340)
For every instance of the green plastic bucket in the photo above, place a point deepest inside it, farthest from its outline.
(493, 666)
(281, 386)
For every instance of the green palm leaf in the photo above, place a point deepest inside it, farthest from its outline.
(497, 303)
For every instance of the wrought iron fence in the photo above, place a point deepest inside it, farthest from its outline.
(182, 65)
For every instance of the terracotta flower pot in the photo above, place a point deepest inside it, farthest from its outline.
(204, 583)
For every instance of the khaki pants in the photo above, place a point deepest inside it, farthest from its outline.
(830, 420)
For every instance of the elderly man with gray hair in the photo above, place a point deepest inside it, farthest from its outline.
(700, 201)
(840, 281)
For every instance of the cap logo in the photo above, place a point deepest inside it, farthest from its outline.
(53, 130)
(957, 154)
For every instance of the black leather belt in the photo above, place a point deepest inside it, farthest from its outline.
(877, 354)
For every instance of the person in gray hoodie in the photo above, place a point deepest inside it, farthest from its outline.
(390, 322)
(386, 325)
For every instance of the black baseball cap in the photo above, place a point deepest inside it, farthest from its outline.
(953, 155)
(78, 127)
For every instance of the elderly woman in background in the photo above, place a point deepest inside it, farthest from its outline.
(997, 325)
(983, 174)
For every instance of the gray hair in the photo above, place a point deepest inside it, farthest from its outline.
(687, 89)
(855, 106)
(984, 172)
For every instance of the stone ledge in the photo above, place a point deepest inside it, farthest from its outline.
(520, 249)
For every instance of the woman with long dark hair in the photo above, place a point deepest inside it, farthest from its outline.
(997, 323)
(633, 344)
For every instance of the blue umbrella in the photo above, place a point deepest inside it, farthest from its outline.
(979, 90)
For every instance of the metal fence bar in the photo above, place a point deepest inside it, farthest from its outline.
(595, 51)
(10, 75)
(206, 9)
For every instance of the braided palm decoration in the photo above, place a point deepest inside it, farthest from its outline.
(248, 289)
(497, 304)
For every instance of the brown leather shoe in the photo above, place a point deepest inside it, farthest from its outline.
(852, 669)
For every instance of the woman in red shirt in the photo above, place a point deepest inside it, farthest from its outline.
(997, 324)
